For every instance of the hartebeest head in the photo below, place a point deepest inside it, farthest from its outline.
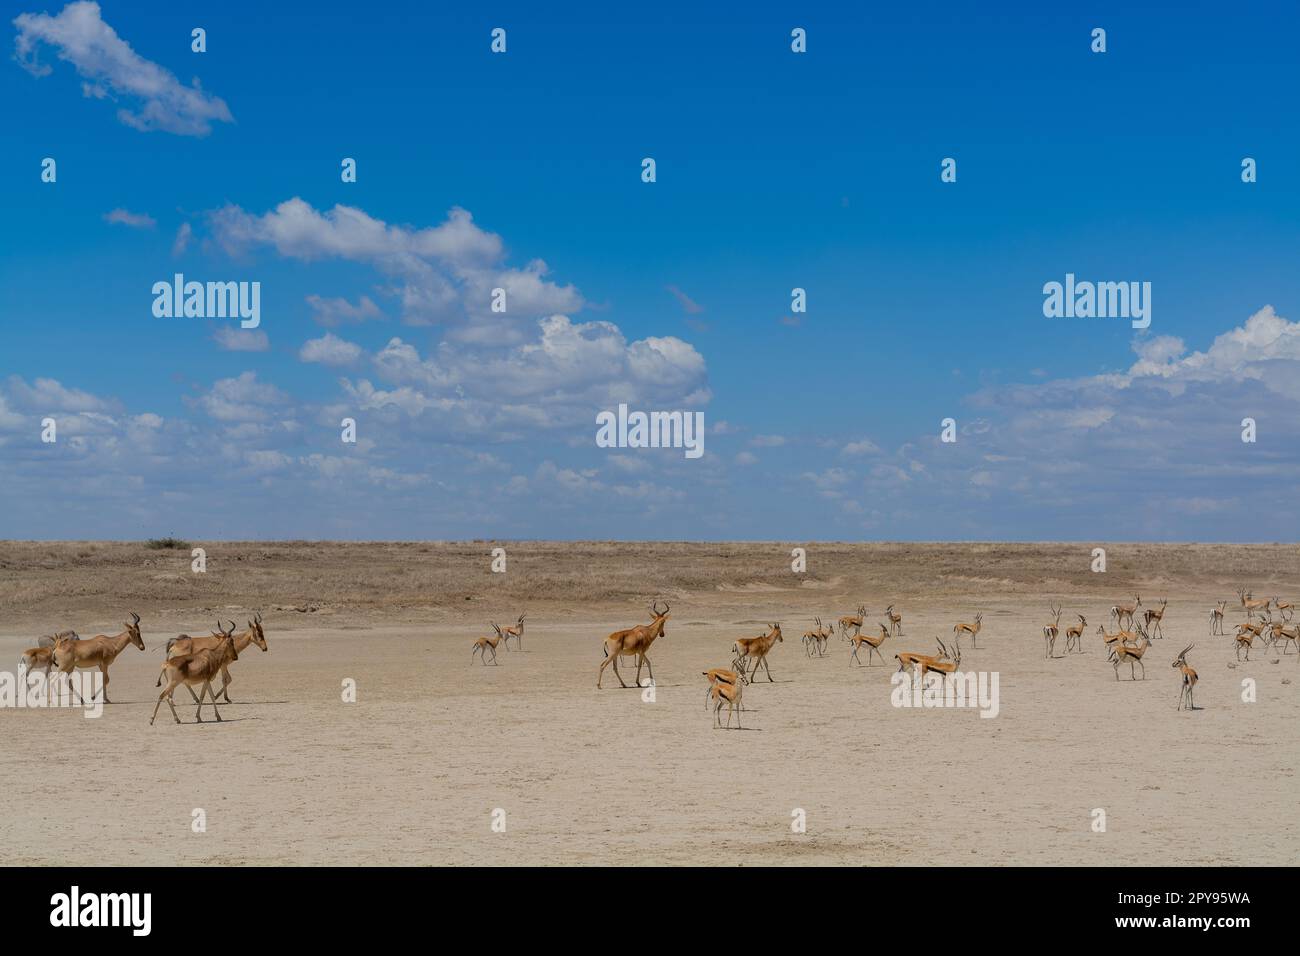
(228, 637)
(659, 617)
(255, 631)
(133, 629)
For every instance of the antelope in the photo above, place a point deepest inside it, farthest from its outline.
(1280, 632)
(872, 643)
(757, 648)
(634, 640)
(1189, 679)
(814, 640)
(1110, 640)
(516, 631)
(98, 651)
(1285, 608)
(825, 632)
(945, 663)
(913, 660)
(1153, 616)
(1245, 638)
(895, 621)
(201, 667)
(1132, 655)
(184, 644)
(729, 694)
(971, 629)
(42, 655)
(1250, 604)
(1216, 618)
(1256, 630)
(1074, 634)
(1051, 630)
(1120, 611)
(720, 675)
(849, 621)
(483, 645)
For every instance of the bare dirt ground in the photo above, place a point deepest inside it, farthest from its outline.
(412, 772)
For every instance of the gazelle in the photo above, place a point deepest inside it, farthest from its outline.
(895, 621)
(1245, 639)
(1216, 618)
(634, 640)
(815, 641)
(516, 631)
(913, 659)
(729, 694)
(757, 648)
(98, 651)
(184, 644)
(945, 663)
(721, 675)
(1250, 604)
(1132, 655)
(825, 633)
(1120, 611)
(1285, 608)
(1154, 616)
(1050, 631)
(849, 621)
(873, 645)
(971, 629)
(1189, 679)
(1280, 633)
(201, 667)
(483, 645)
(1074, 634)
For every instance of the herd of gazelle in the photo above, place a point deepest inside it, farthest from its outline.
(192, 661)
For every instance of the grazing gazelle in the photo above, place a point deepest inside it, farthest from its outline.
(1074, 634)
(634, 640)
(851, 622)
(873, 645)
(757, 648)
(1120, 611)
(516, 631)
(895, 621)
(971, 629)
(98, 651)
(730, 695)
(483, 645)
(1216, 618)
(1250, 604)
(1153, 616)
(1132, 655)
(201, 667)
(1050, 631)
(721, 675)
(1189, 679)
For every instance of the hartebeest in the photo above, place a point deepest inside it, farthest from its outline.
(634, 640)
(1189, 679)
(98, 651)
(184, 644)
(201, 667)
(972, 629)
(757, 648)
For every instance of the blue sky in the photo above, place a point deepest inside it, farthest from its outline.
(775, 170)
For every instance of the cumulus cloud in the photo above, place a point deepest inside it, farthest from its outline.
(332, 313)
(111, 69)
(233, 339)
(329, 349)
(242, 399)
(136, 220)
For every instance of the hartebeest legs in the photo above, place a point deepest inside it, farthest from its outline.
(198, 714)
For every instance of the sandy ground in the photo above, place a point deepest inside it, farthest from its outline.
(412, 772)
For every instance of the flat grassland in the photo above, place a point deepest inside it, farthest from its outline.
(412, 772)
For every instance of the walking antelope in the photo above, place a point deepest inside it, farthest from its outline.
(98, 651)
(872, 643)
(184, 644)
(855, 623)
(1279, 632)
(516, 631)
(826, 632)
(1285, 608)
(1074, 634)
(971, 629)
(1250, 604)
(483, 645)
(895, 621)
(41, 657)
(721, 675)
(945, 663)
(1154, 616)
(634, 640)
(729, 694)
(201, 667)
(1216, 618)
(815, 641)
(1051, 630)
(1245, 639)
(913, 659)
(1120, 611)
(1189, 679)
(757, 648)
(1132, 655)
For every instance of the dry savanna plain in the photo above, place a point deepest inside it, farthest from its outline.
(415, 769)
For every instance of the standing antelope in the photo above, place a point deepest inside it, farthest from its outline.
(1132, 655)
(1245, 639)
(1250, 604)
(201, 667)
(1285, 608)
(873, 645)
(1050, 631)
(516, 631)
(945, 663)
(1216, 618)
(483, 645)
(757, 648)
(1120, 611)
(1154, 616)
(1074, 634)
(895, 621)
(815, 641)
(971, 629)
(634, 640)
(850, 621)
(98, 651)
(730, 695)
(1189, 679)
(825, 633)
(720, 675)
(41, 657)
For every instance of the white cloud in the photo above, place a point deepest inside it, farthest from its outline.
(242, 399)
(338, 311)
(136, 220)
(111, 68)
(862, 447)
(182, 241)
(329, 349)
(233, 339)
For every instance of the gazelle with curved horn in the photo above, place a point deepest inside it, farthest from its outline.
(1132, 655)
(1050, 631)
(852, 622)
(200, 668)
(1153, 617)
(98, 651)
(972, 629)
(1119, 612)
(634, 641)
(1074, 634)
(1216, 618)
(1250, 604)
(812, 640)
(485, 645)
(516, 631)
(757, 648)
(1189, 679)
(872, 643)
(945, 663)
(721, 675)
(895, 621)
